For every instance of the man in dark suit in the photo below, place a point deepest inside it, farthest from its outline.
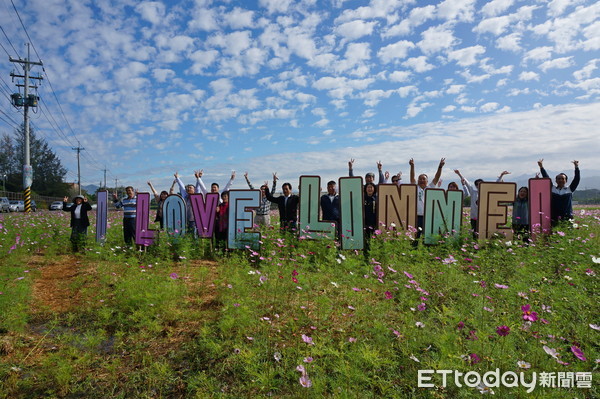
(288, 206)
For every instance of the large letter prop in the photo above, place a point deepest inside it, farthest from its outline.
(493, 209)
(351, 212)
(241, 219)
(540, 195)
(101, 215)
(443, 214)
(143, 234)
(205, 213)
(174, 215)
(397, 205)
(310, 202)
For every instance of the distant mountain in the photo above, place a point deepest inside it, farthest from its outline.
(90, 188)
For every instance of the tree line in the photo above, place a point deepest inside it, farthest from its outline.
(48, 171)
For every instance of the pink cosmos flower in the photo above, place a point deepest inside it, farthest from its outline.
(528, 314)
(578, 353)
(503, 331)
(421, 307)
(460, 325)
(307, 339)
(388, 295)
(501, 286)
(174, 276)
(473, 358)
(305, 381)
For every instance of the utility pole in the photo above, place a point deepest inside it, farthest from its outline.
(116, 187)
(78, 149)
(26, 101)
(104, 176)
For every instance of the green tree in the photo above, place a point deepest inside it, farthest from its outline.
(48, 172)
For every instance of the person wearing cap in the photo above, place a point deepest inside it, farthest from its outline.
(369, 177)
(79, 220)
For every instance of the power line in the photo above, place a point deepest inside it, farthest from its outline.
(25, 29)
(9, 42)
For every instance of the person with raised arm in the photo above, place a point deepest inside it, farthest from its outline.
(423, 184)
(160, 199)
(330, 203)
(79, 220)
(129, 205)
(370, 176)
(562, 195)
(186, 191)
(262, 213)
(214, 187)
(472, 191)
(222, 222)
(287, 205)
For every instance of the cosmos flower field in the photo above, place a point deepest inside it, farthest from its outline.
(299, 318)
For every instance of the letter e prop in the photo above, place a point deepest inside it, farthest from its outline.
(205, 213)
(174, 215)
(310, 202)
(397, 205)
(351, 212)
(493, 209)
(241, 219)
(101, 215)
(539, 206)
(443, 213)
(143, 235)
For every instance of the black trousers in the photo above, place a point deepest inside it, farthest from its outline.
(78, 234)
(129, 230)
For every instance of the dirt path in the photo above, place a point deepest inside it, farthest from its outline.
(52, 289)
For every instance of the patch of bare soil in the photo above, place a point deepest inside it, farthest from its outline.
(52, 289)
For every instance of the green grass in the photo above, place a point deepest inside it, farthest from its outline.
(178, 321)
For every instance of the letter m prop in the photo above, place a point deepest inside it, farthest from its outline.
(310, 201)
(143, 234)
(443, 214)
(241, 219)
(397, 205)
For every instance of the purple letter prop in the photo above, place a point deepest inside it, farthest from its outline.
(101, 215)
(143, 235)
(205, 213)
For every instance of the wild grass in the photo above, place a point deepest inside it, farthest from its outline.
(299, 318)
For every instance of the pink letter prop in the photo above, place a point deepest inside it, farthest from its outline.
(241, 219)
(143, 235)
(540, 194)
(493, 209)
(205, 213)
(101, 215)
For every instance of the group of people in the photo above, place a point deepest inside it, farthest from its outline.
(287, 203)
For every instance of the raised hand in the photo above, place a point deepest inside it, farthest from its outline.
(541, 163)
(351, 163)
(379, 165)
(246, 175)
(386, 175)
(411, 162)
(576, 163)
(232, 174)
(442, 162)
(66, 199)
(275, 178)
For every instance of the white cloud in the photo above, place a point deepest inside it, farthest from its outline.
(586, 71)
(417, 17)
(204, 19)
(202, 60)
(355, 29)
(398, 50)
(276, 6)
(557, 63)
(455, 89)
(437, 38)
(510, 42)
(526, 76)
(456, 10)
(489, 107)
(239, 18)
(466, 56)
(496, 7)
(418, 64)
(400, 76)
(151, 11)
(449, 108)
(162, 75)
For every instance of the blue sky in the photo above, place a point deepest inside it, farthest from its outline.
(300, 87)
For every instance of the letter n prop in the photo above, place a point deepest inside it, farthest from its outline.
(310, 224)
(241, 219)
(351, 212)
(101, 215)
(443, 214)
(540, 195)
(174, 215)
(493, 209)
(205, 213)
(397, 205)
(143, 234)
